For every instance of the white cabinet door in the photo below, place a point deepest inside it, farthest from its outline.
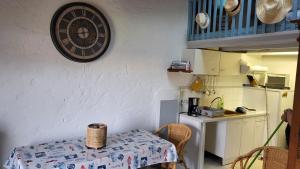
(247, 136)
(210, 62)
(233, 140)
(215, 138)
(259, 132)
(230, 63)
(203, 62)
(274, 99)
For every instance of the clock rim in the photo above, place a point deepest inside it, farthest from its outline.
(53, 32)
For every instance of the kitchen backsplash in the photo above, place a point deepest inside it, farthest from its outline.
(227, 87)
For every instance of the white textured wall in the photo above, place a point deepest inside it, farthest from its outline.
(44, 96)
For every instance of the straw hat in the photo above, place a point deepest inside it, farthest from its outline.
(272, 11)
(232, 7)
(202, 20)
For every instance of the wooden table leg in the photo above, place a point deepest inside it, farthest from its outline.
(168, 165)
(171, 166)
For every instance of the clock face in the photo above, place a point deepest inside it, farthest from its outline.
(80, 32)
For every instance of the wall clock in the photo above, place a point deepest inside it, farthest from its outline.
(80, 32)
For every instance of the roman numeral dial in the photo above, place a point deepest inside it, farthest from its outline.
(80, 32)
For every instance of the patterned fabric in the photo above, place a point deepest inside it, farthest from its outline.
(128, 150)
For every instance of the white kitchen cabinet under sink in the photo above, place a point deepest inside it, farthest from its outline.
(232, 138)
(227, 136)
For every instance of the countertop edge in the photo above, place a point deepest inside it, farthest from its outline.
(206, 119)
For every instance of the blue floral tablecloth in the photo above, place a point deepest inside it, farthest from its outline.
(128, 150)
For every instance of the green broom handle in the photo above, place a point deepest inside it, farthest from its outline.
(267, 142)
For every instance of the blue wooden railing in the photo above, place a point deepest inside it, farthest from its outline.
(222, 25)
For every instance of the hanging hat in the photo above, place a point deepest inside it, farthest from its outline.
(232, 7)
(272, 11)
(202, 20)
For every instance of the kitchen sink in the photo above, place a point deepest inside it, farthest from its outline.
(213, 112)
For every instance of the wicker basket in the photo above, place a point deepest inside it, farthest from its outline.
(96, 135)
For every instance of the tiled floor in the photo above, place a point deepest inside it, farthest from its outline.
(213, 164)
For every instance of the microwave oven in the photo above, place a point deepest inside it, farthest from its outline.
(275, 81)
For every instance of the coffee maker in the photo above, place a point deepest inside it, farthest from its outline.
(193, 109)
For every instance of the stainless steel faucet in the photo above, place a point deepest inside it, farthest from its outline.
(217, 98)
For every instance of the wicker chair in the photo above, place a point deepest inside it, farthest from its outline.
(178, 134)
(274, 158)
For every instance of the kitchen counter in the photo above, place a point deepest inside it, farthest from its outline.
(205, 119)
(198, 126)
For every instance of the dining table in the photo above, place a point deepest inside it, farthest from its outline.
(127, 150)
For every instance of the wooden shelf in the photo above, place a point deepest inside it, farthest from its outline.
(179, 70)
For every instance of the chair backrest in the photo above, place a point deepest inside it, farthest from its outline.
(178, 134)
(275, 158)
